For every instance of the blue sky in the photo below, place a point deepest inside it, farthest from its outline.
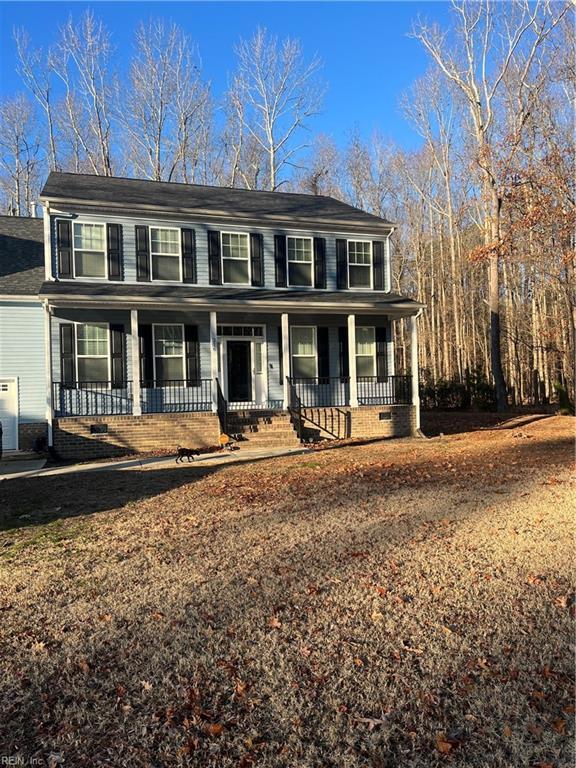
(368, 58)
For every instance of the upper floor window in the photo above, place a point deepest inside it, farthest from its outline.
(299, 261)
(359, 264)
(365, 351)
(169, 352)
(92, 352)
(89, 250)
(165, 252)
(235, 258)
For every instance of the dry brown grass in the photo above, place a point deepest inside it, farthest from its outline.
(400, 604)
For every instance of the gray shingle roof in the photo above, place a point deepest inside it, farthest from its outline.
(21, 255)
(210, 202)
(223, 295)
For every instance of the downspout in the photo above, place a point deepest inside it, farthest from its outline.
(48, 371)
(389, 262)
(47, 243)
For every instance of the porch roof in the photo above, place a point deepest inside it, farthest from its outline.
(141, 295)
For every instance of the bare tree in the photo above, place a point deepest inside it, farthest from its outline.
(19, 155)
(37, 76)
(487, 41)
(273, 94)
(81, 59)
(322, 171)
(166, 108)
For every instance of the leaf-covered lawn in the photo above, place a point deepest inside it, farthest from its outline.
(406, 603)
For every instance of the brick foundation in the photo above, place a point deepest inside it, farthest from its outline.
(366, 421)
(29, 433)
(73, 438)
(133, 434)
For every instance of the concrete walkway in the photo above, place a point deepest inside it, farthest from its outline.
(20, 469)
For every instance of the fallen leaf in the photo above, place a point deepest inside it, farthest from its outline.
(213, 729)
(274, 622)
(443, 746)
(240, 688)
(507, 731)
(84, 666)
(559, 726)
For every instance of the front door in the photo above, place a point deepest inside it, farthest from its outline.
(239, 371)
(9, 413)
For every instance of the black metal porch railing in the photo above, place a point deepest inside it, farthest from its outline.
(176, 396)
(389, 390)
(92, 398)
(222, 409)
(295, 408)
(322, 391)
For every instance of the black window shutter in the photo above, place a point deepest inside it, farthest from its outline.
(341, 264)
(378, 264)
(114, 242)
(67, 353)
(257, 258)
(281, 354)
(188, 237)
(64, 247)
(192, 348)
(146, 355)
(142, 254)
(381, 354)
(323, 344)
(117, 356)
(343, 352)
(280, 260)
(214, 262)
(319, 262)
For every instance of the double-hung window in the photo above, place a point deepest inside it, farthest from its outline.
(365, 351)
(168, 353)
(165, 253)
(89, 250)
(300, 261)
(359, 264)
(92, 352)
(235, 258)
(304, 355)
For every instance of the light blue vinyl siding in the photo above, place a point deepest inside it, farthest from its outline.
(22, 355)
(201, 229)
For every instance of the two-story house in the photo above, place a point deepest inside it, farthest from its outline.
(178, 311)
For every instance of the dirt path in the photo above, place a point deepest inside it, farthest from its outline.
(403, 603)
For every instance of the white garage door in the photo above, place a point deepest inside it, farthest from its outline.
(9, 413)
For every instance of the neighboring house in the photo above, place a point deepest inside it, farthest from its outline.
(22, 344)
(178, 311)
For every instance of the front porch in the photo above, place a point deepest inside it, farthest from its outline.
(280, 375)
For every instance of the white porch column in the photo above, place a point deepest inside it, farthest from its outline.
(285, 357)
(135, 358)
(214, 358)
(414, 367)
(352, 361)
(48, 371)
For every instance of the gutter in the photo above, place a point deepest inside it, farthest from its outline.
(222, 305)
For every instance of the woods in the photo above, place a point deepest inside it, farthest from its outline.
(485, 207)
